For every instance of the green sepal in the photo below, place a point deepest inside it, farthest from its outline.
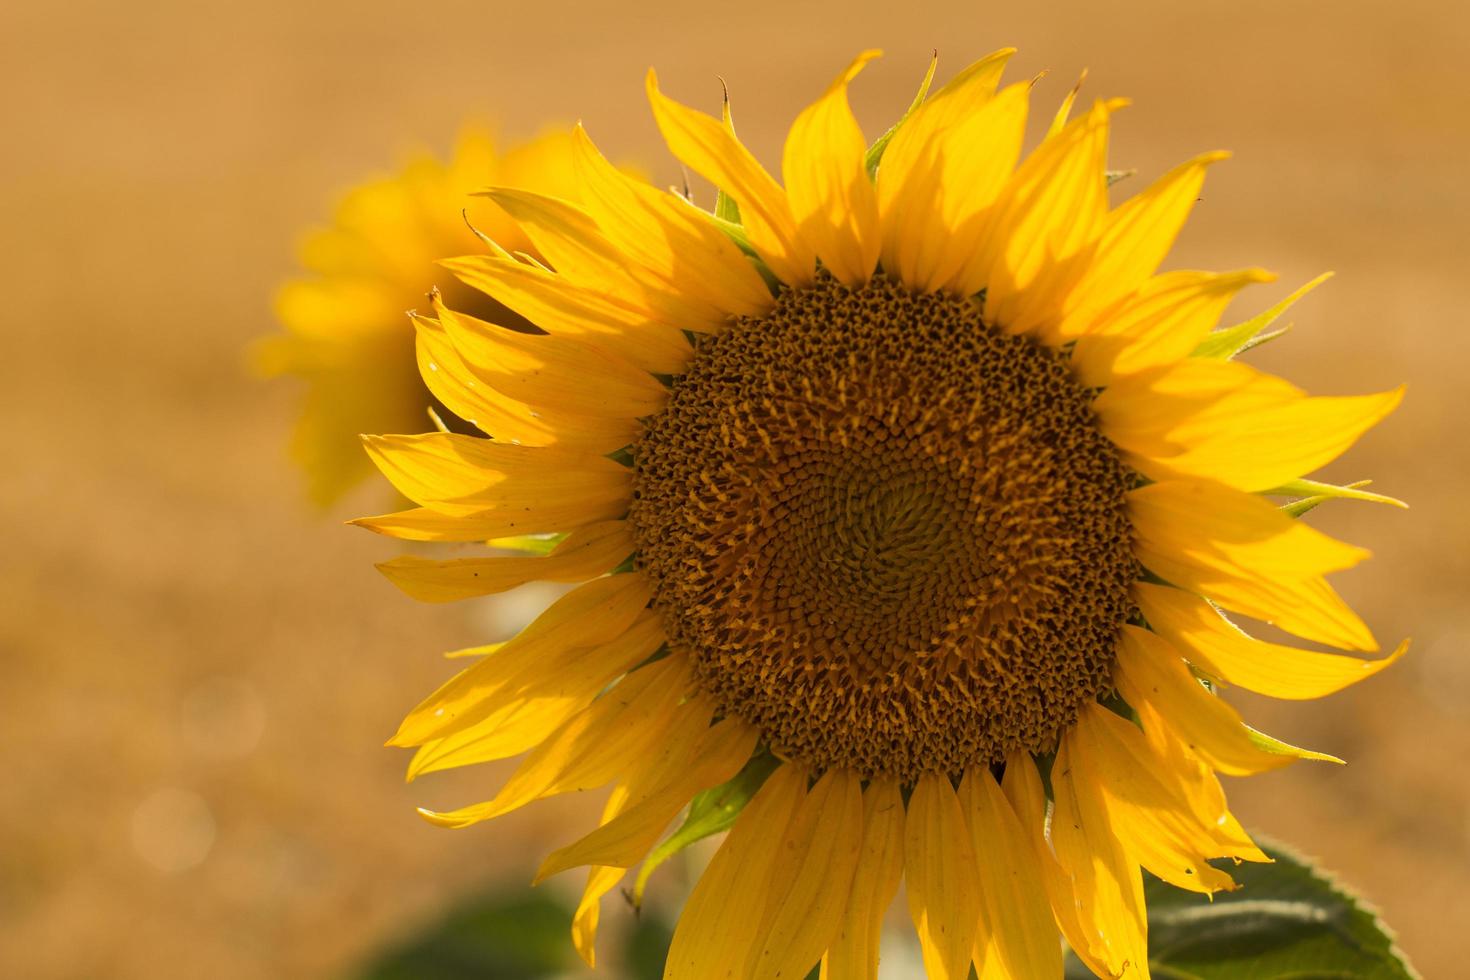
(875, 152)
(1313, 493)
(1275, 746)
(1116, 175)
(1224, 344)
(711, 812)
(736, 234)
(1288, 919)
(725, 207)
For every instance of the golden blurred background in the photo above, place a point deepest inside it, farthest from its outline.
(197, 671)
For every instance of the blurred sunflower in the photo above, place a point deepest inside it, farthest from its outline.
(346, 333)
(909, 486)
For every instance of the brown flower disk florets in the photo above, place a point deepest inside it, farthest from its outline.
(889, 534)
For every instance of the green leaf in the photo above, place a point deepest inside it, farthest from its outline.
(496, 936)
(1227, 343)
(875, 152)
(1287, 920)
(711, 812)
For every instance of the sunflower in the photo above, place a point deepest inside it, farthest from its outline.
(345, 330)
(908, 490)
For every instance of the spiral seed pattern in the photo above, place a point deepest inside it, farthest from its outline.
(888, 534)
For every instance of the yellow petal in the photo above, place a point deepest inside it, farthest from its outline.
(1264, 447)
(908, 179)
(585, 553)
(722, 918)
(1193, 520)
(1148, 810)
(501, 417)
(711, 149)
(672, 240)
(455, 472)
(1049, 219)
(1223, 650)
(569, 238)
(939, 862)
(694, 757)
(1019, 935)
(934, 222)
(1150, 671)
(1140, 412)
(1135, 238)
(535, 702)
(600, 881)
(853, 953)
(832, 200)
(592, 615)
(1064, 111)
(1197, 783)
(810, 886)
(423, 524)
(1248, 556)
(563, 309)
(1159, 325)
(1023, 790)
(591, 748)
(560, 373)
(1107, 885)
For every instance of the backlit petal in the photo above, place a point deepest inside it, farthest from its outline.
(597, 613)
(1148, 809)
(809, 887)
(1107, 885)
(559, 373)
(711, 149)
(910, 178)
(1040, 236)
(853, 954)
(586, 552)
(939, 863)
(1135, 238)
(1159, 325)
(593, 746)
(722, 918)
(1151, 671)
(1223, 650)
(1248, 556)
(672, 240)
(832, 199)
(700, 757)
(564, 309)
(1019, 933)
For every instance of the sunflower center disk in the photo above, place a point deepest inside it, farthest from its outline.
(887, 533)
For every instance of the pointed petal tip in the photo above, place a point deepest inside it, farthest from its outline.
(438, 819)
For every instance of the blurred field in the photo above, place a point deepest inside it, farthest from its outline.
(196, 672)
